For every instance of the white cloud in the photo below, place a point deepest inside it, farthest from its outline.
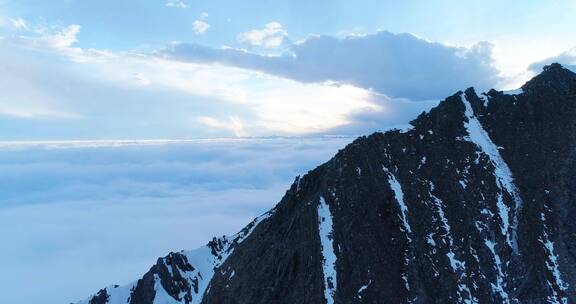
(271, 36)
(176, 3)
(63, 39)
(200, 27)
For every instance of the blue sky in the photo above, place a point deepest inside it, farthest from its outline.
(199, 69)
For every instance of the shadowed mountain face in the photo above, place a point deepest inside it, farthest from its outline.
(472, 205)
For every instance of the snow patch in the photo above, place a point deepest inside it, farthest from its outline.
(363, 288)
(328, 255)
(503, 212)
(298, 183)
(399, 194)
(430, 240)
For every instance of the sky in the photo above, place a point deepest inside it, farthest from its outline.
(183, 69)
(129, 129)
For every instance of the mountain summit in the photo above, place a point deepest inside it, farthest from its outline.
(473, 204)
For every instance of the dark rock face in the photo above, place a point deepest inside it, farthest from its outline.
(472, 205)
(100, 298)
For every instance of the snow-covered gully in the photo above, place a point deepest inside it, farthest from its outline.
(325, 230)
(504, 178)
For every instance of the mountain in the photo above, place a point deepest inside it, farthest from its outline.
(473, 204)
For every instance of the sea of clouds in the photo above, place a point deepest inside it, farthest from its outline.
(79, 216)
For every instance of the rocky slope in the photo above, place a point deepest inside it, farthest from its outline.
(471, 205)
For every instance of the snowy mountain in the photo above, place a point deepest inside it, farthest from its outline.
(474, 204)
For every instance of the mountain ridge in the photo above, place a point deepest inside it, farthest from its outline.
(471, 205)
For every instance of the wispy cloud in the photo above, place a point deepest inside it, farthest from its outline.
(176, 3)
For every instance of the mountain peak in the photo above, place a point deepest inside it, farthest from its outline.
(553, 67)
(554, 76)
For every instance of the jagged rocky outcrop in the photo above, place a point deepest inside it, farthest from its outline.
(474, 204)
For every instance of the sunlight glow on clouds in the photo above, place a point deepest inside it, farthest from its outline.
(310, 108)
(280, 106)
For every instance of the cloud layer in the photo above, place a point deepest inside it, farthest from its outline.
(398, 65)
(108, 209)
